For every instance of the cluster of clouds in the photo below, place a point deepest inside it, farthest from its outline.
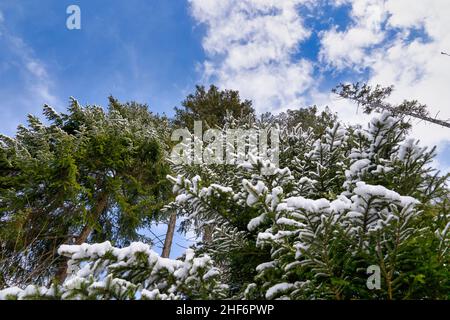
(254, 46)
(250, 44)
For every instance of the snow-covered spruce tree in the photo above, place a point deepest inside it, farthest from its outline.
(100, 271)
(353, 198)
(232, 245)
(344, 199)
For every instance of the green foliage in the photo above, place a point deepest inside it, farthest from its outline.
(351, 198)
(88, 173)
(373, 99)
(100, 272)
(344, 198)
(212, 106)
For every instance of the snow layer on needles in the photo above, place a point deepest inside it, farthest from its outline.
(319, 205)
(367, 191)
(278, 288)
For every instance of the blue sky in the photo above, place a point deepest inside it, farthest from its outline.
(281, 54)
(135, 50)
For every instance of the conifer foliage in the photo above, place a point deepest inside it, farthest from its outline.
(352, 198)
(100, 271)
(87, 175)
(344, 200)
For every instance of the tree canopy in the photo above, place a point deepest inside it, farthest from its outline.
(88, 174)
(342, 201)
(212, 107)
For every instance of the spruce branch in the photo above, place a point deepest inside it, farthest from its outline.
(373, 99)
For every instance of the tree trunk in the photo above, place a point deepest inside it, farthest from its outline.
(411, 114)
(208, 233)
(100, 207)
(169, 235)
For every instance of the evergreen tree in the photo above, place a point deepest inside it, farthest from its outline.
(101, 271)
(86, 175)
(212, 107)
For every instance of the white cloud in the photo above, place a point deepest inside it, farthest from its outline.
(413, 65)
(253, 46)
(36, 69)
(250, 46)
(2, 18)
(347, 48)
